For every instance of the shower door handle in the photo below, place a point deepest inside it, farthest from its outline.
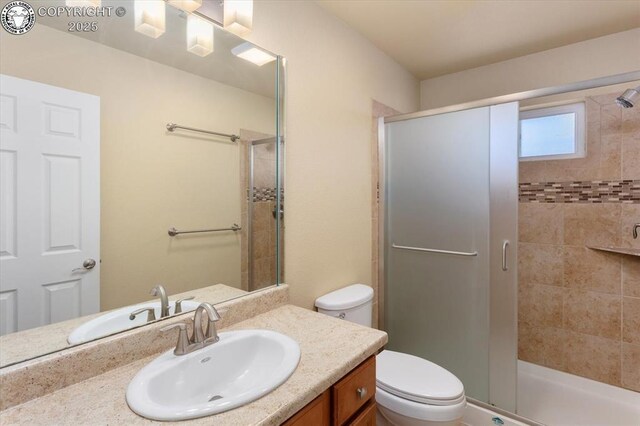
(505, 245)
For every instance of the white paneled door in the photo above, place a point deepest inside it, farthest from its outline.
(49, 204)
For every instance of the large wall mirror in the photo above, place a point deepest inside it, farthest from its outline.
(140, 166)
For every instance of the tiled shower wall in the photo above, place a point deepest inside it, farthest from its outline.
(579, 309)
(263, 222)
(259, 263)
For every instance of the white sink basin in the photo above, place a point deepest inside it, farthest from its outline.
(242, 367)
(118, 320)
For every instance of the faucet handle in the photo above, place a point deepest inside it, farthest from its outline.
(183, 338)
(178, 308)
(151, 314)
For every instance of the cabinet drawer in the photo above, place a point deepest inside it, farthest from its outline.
(367, 416)
(354, 391)
(316, 413)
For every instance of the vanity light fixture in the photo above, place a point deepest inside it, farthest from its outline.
(83, 3)
(149, 16)
(238, 16)
(249, 52)
(186, 5)
(199, 36)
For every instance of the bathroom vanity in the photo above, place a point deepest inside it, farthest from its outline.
(350, 401)
(334, 382)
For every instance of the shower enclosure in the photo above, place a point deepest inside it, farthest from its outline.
(448, 249)
(450, 208)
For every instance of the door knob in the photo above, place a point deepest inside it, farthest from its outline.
(87, 265)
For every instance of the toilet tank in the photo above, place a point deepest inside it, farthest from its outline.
(352, 303)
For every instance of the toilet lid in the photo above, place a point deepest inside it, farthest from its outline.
(417, 379)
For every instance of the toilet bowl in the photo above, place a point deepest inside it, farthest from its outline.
(410, 391)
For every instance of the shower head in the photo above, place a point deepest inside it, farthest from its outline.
(626, 100)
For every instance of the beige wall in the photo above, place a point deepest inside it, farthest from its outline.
(151, 180)
(604, 56)
(579, 309)
(333, 74)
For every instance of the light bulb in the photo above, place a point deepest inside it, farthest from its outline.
(199, 36)
(149, 16)
(238, 16)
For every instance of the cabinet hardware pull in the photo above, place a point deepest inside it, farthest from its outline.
(362, 392)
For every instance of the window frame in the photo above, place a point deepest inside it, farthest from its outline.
(577, 108)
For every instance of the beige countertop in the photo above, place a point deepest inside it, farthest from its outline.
(27, 344)
(330, 348)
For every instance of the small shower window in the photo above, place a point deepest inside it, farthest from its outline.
(552, 133)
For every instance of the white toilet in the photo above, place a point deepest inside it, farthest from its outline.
(411, 391)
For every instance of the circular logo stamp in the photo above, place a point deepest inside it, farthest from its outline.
(17, 17)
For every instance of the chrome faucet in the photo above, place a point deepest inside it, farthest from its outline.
(635, 230)
(200, 338)
(164, 300)
(209, 336)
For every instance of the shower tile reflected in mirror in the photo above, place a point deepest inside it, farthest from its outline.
(579, 309)
(119, 178)
(259, 211)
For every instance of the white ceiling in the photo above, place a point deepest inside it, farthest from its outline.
(436, 37)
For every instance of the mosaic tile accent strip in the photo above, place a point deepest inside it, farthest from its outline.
(264, 194)
(591, 191)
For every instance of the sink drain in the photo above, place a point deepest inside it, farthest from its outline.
(215, 398)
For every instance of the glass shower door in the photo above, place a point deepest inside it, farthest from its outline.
(442, 246)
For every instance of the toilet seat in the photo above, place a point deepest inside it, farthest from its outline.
(416, 379)
(393, 406)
